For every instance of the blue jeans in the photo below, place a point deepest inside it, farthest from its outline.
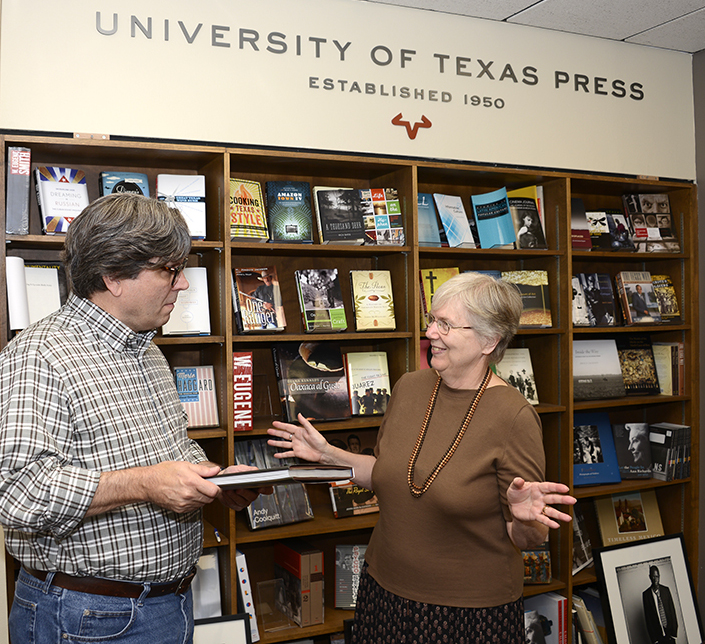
(46, 614)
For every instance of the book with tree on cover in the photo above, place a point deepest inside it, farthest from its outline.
(367, 374)
(579, 229)
(429, 232)
(117, 182)
(594, 454)
(636, 359)
(257, 300)
(382, 217)
(635, 290)
(289, 214)
(631, 441)
(198, 396)
(373, 300)
(339, 215)
(243, 391)
(17, 189)
(527, 222)
(62, 194)
(248, 220)
(628, 516)
(535, 295)
(597, 372)
(311, 379)
(494, 220)
(191, 313)
(455, 221)
(516, 369)
(320, 300)
(430, 279)
(349, 560)
(666, 297)
(187, 193)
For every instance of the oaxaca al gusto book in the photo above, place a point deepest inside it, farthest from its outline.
(62, 194)
(257, 300)
(373, 300)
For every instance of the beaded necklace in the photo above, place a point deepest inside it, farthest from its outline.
(415, 490)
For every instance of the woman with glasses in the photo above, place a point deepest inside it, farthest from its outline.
(458, 470)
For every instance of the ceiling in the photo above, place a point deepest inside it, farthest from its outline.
(668, 24)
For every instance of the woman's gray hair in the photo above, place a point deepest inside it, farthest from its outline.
(117, 236)
(492, 307)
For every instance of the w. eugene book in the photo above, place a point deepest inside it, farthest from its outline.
(62, 194)
(289, 213)
(248, 220)
(257, 300)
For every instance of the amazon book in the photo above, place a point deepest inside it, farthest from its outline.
(289, 214)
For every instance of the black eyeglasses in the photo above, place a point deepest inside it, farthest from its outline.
(444, 326)
(174, 270)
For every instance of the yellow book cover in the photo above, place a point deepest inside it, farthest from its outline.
(248, 220)
(431, 279)
(373, 300)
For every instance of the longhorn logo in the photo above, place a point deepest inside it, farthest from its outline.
(411, 130)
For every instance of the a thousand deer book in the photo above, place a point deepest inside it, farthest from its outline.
(257, 300)
(369, 386)
(289, 213)
(187, 192)
(198, 396)
(535, 296)
(455, 221)
(373, 300)
(493, 219)
(248, 219)
(594, 455)
(62, 194)
(339, 215)
(597, 372)
(628, 516)
(320, 300)
(17, 181)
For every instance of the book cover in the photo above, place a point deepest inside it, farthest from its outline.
(666, 298)
(537, 564)
(670, 362)
(349, 560)
(597, 372)
(546, 613)
(257, 300)
(311, 380)
(17, 184)
(243, 391)
(429, 280)
(600, 238)
(635, 216)
(116, 182)
(594, 454)
(383, 217)
(620, 235)
(535, 193)
(579, 229)
(628, 516)
(527, 222)
(349, 499)
(666, 440)
(62, 194)
(300, 566)
(339, 215)
(191, 313)
(494, 221)
(599, 299)
(245, 596)
(289, 214)
(373, 300)
(55, 266)
(535, 296)
(455, 221)
(637, 298)
(198, 396)
(264, 511)
(187, 193)
(367, 374)
(582, 546)
(631, 441)
(248, 220)
(429, 234)
(636, 359)
(33, 292)
(580, 314)
(516, 369)
(320, 300)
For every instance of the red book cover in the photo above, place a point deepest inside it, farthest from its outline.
(242, 391)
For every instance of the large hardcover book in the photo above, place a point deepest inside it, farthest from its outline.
(666, 298)
(631, 440)
(349, 499)
(429, 280)
(311, 379)
(494, 220)
(670, 367)
(455, 221)
(639, 304)
(33, 292)
(349, 560)
(187, 193)
(117, 182)
(339, 215)
(579, 229)
(620, 234)
(600, 238)
(516, 369)
(429, 234)
(264, 511)
(17, 182)
(527, 223)
(243, 391)
(594, 454)
(257, 300)
(582, 545)
(367, 374)
(245, 594)
(636, 359)
(191, 313)
(248, 220)
(599, 299)
(549, 613)
(383, 217)
(198, 396)
(301, 567)
(537, 564)
(597, 372)
(289, 213)
(580, 314)
(628, 516)
(62, 194)
(320, 300)
(670, 445)
(373, 300)
(650, 216)
(535, 296)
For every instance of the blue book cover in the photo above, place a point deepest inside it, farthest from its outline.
(594, 454)
(289, 213)
(493, 219)
(429, 235)
(455, 221)
(114, 181)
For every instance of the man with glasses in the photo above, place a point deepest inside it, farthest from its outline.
(101, 487)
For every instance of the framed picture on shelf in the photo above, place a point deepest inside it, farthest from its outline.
(636, 577)
(233, 629)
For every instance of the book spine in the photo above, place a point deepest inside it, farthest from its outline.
(317, 587)
(242, 391)
(19, 168)
(245, 593)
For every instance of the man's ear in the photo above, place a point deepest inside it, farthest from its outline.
(113, 285)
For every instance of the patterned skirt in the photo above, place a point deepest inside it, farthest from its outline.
(382, 617)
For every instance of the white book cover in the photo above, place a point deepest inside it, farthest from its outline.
(32, 292)
(191, 314)
(248, 600)
(62, 194)
(187, 192)
(455, 221)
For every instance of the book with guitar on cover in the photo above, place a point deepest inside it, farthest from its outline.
(299, 473)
